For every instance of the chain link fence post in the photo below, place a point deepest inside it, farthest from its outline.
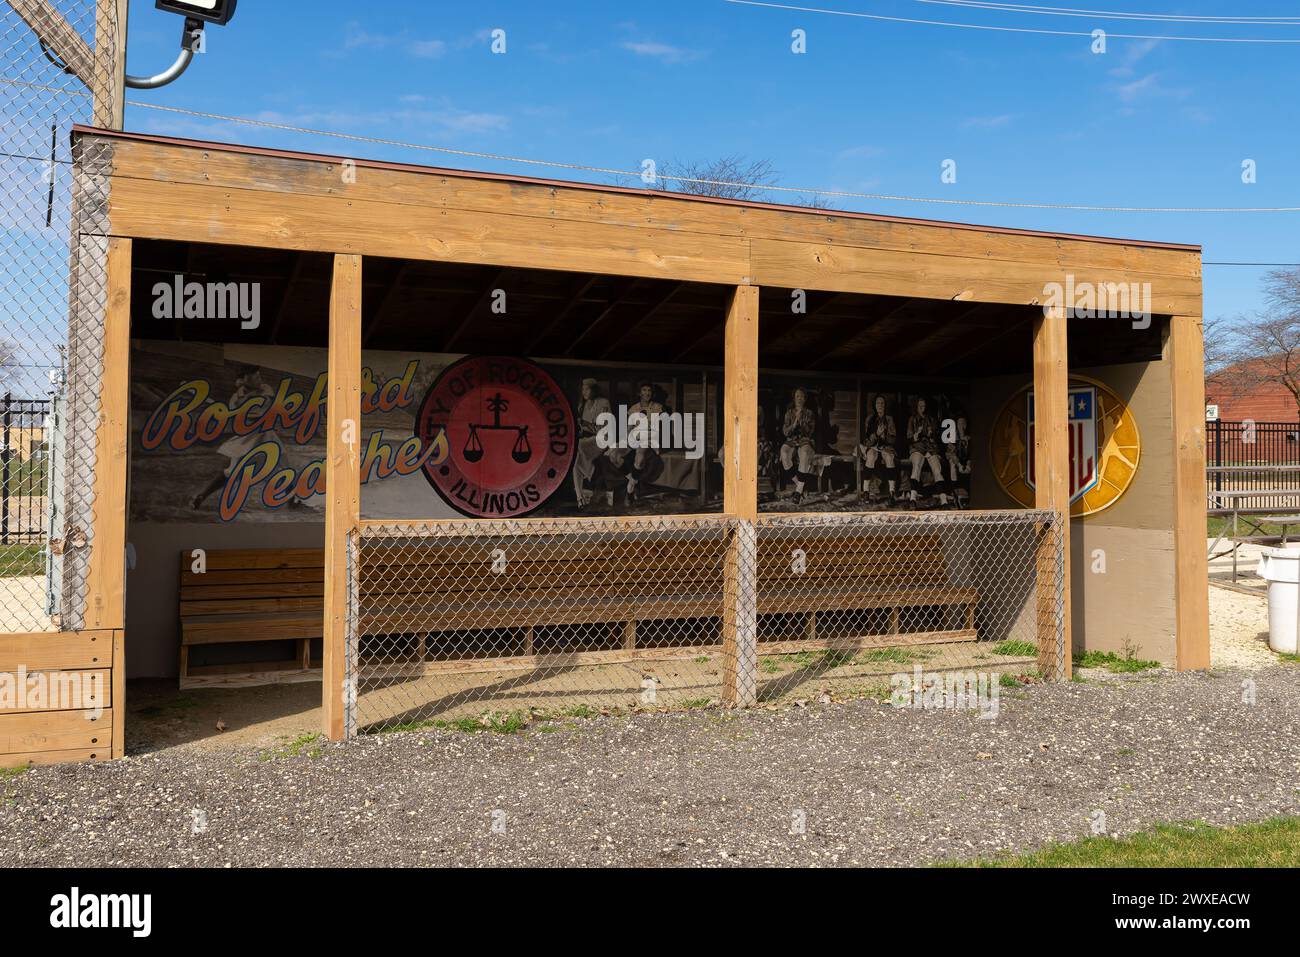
(60, 64)
(740, 617)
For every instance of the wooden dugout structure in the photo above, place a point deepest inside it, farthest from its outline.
(915, 275)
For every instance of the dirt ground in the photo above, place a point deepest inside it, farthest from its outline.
(160, 717)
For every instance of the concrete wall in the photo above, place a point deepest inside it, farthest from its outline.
(153, 589)
(1131, 604)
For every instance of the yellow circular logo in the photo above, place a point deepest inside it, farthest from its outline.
(1104, 447)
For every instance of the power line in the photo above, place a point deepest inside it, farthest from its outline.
(637, 174)
(1000, 29)
(1258, 265)
(805, 190)
(1113, 14)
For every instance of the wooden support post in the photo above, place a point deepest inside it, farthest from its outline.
(629, 634)
(1052, 482)
(1185, 351)
(106, 570)
(343, 492)
(740, 498)
(119, 694)
(108, 87)
(740, 406)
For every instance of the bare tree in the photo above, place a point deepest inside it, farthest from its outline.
(8, 359)
(1247, 352)
(1219, 335)
(733, 177)
(730, 177)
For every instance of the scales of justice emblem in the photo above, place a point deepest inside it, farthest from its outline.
(510, 436)
(1105, 447)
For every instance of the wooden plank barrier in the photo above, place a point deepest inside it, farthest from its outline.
(61, 697)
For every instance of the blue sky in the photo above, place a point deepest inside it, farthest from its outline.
(871, 107)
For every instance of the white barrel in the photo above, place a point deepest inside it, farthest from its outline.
(1280, 567)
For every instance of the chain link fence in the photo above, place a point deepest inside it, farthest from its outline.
(490, 622)
(52, 288)
(543, 616)
(845, 602)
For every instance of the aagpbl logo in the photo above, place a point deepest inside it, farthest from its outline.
(1104, 447)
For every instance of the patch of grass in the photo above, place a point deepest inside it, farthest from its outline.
(694, 703)
(1217, 525)
(1287, 658)
(836, 658)
(9, 773)
(1009, 681)
(1119, 664)
(21, 560)
(407, 726)
(871, 692)
(578, 711)
(770, 666)
(703, 660)
(1015, 648)
(295, 748)
(502, 723)
(1272, 843)
(800, 658)
(900, 656)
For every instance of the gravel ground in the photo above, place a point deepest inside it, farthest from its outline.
(875, 785)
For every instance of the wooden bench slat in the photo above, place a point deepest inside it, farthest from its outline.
(430, 586)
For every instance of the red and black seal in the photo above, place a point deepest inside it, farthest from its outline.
(509, 436)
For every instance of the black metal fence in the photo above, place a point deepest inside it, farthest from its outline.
(1252, 443)
(24, 469)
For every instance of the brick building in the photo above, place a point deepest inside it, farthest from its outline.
(1242, 392)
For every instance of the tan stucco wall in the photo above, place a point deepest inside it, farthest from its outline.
(1131, 605)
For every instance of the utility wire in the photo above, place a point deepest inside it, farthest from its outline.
(1000, 29)
(1115, 14)
(609, 171)
(636, 174)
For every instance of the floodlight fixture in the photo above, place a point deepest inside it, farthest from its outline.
(197, 14)
(218, 12)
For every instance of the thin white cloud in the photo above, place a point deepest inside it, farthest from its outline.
(1148, 87)
(866, 151)
(358, 38)
(987, 122)
(663, 52)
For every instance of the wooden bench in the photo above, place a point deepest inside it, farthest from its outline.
(485, 588)
(458, 605)
(852, 571)
(252, 594)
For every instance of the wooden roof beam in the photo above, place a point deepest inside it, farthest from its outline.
(828, 346)
(59, 36)
(654, 305)
(791, 322)
(621, 289)
(577, 290)
(390, 295)
(472, 313)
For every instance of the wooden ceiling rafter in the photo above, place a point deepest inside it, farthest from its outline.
(618, 296)
(469, 315)
(578, 290)
(653, 306)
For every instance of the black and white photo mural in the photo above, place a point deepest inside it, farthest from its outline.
(848, 445)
